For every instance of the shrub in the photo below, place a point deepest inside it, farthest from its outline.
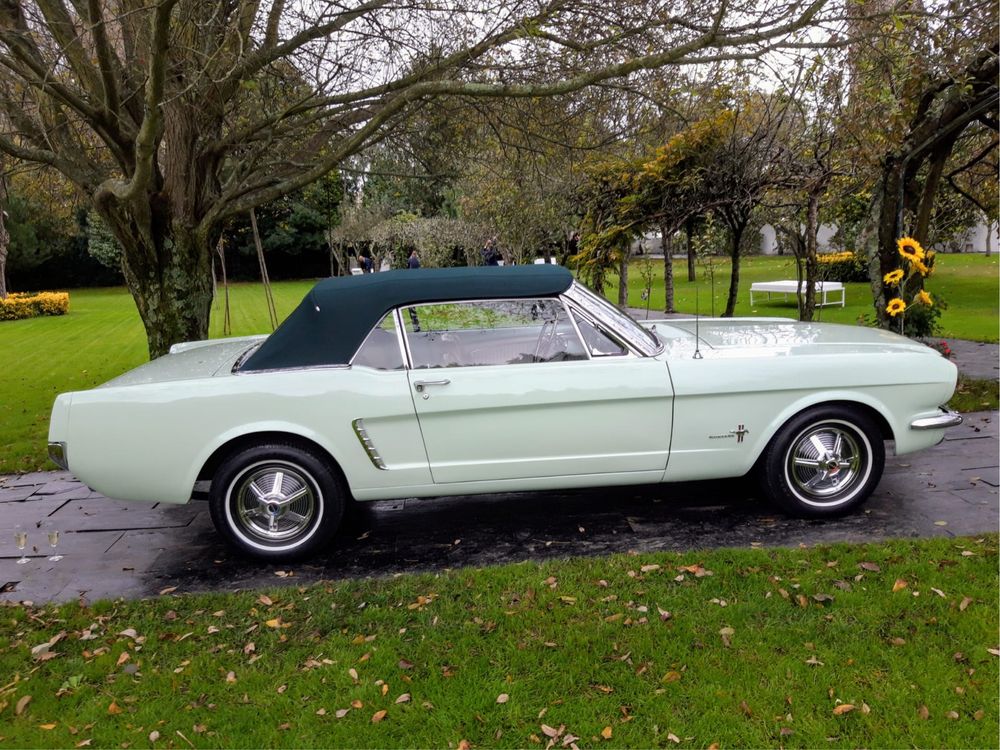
(19, 306)
(843, 266)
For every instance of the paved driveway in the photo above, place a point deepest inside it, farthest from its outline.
(114, 549)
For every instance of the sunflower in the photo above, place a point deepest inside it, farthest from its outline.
(920, 267)
(895, 307)
(893, 277)
(924, 298)
(909, 248)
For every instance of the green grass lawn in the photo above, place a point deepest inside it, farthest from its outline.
(969, 284)
(102, 335)
(727, 648)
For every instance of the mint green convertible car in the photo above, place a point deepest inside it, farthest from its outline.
(461, 381)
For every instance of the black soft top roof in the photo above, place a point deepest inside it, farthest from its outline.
(332, 321)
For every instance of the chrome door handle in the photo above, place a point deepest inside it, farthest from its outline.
(421, 384)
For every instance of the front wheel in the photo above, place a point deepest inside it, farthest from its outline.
(823, 462)
(276, 502)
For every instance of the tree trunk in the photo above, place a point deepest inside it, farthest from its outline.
(171, 284)
(734, 276)
(807, 306)
(623, 278)
(666, 242)
(689, 236)
(4, 234)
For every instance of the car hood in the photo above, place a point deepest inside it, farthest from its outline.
(778, 336)
(188, 361)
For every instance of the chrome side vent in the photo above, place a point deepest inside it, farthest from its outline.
(366, 443)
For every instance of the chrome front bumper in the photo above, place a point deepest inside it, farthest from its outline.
(939, 422)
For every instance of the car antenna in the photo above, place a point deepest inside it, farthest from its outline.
(697, 336)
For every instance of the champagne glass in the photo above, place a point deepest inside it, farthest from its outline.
(53, 535)
(21, 539)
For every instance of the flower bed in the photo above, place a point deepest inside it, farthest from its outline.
(19, 306)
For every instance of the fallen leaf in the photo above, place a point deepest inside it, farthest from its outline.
(843, 708)
(745, 709)
(404, 664)
(550, 731)
(606, 733)
(870, 567)
(899, 585)
(649, 568)
(953, 715)
(865, 708)
(154, 736)
(994, 651)
(939, 592)
(83, 743)
(503, 698)
(274, 623)
(923, 713)
(357, 704)
(404, 698)
(378, 716)
(671, 676)
(979, 715)
(231, 677)
(168, 590)
(898, 642)
(940, 523)
(726, 634)
(114, 708)
(464, 745)
(265, 600)
(353, 673)
(786, 732)
(822, 598)
(966, 601)
(340, 713)
(814, 662)
(673, 738)
(46, 727)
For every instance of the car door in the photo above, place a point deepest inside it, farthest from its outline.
(506, 389)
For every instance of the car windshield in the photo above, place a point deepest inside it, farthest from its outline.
(620, 322)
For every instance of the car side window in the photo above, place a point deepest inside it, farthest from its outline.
(599, 343)
(380, 350)
(490, 332)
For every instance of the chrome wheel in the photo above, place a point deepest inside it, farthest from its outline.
(273, 503)
(826, 463)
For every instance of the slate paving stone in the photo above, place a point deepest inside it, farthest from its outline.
(16, 494)
(115, 549)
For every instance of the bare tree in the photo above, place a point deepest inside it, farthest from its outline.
(174, 115)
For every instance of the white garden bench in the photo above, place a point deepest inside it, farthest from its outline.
(823, 290)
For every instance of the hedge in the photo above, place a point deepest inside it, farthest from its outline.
(842, 266)
(18, 306)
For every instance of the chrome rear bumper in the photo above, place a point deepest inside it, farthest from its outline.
(941, 421)
(57, 452)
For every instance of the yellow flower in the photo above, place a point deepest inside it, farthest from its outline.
(920, 267)
(924, 298)
(893, 277)
(895, 307)
(909, 248)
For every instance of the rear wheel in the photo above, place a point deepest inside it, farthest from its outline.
(824, 462)
(276, 502)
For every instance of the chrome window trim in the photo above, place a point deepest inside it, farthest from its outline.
(303, 368)
(643, 344)
(368, 336)
(629, 350)
(405, 344)
(59, 455)
(572, 320)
